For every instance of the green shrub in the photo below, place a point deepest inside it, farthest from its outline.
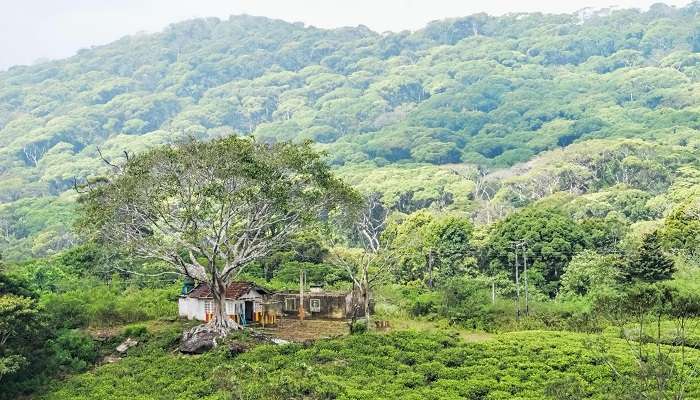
(400, 365)
(135, 331)
(73, 351)
(426, 304)
(358, 327)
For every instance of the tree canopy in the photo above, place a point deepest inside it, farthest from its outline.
(493, 91)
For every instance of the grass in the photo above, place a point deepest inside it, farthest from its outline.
(437, 326)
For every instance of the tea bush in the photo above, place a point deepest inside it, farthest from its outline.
(401, 365)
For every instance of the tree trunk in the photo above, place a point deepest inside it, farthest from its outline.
(365, 304)
(221, 321)
(365, 296)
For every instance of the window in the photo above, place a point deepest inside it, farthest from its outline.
(290, 304)
(208, 307)
(315, 305)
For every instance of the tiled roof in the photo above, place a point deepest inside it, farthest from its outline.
(234, 290)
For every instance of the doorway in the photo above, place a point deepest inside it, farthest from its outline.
(248, 312)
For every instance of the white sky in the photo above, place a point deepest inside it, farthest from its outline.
(36, 29)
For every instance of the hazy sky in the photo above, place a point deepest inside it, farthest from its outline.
(36, 29)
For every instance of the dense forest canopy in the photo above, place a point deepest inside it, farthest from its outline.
(482, 90)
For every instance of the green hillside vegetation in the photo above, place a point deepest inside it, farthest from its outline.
(531, 179)
(612, 257)
(493, 91)
(529, 365)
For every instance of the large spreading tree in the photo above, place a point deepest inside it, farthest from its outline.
(208, 209)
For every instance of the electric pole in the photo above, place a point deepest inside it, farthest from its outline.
(517, 284)
(527, 300)
(301, 294)
(431, 260)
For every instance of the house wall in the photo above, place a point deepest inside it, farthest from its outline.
(182, 306)
(196, 308)
(329, 305)
(191, 308)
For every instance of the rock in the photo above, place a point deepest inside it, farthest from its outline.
(199, 339)
(236, 348)
(110, 359)
(126, 345)
(260, 337)
(279, 341)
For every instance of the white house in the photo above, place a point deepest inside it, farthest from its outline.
(244, 302)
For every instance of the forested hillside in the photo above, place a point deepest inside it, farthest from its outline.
(481, 90)
(507, 207)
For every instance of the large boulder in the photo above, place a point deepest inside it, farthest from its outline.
(199, 339)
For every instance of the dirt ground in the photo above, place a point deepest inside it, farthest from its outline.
(310, 329)
(299, 331)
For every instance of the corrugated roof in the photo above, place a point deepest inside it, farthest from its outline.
(233, 292)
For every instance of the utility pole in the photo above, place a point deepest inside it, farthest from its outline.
(527, 300)
(301, 294)
(431, 260)
(517, 284)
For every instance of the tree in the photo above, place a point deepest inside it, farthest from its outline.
(18, 320)
(656, 375)
(650, 264)
(428, 248)
(551, 239)
(207, 210)
(589, 272)
(365, 266)
(407, 240)
(681, 230)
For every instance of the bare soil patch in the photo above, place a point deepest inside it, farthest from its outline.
(311, 329)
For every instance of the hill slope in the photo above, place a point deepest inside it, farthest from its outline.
(485, 90)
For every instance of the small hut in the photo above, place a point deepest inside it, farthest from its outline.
(245, 303)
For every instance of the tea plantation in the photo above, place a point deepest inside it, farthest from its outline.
(405, 365)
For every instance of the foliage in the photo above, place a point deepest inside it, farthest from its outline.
(589, 272)
(530, 83)
(73, 351)
(18, 322)
(567, 141)
(97, 304)
(681, 230)
(650, 264)
(428, 248)
(551, 240)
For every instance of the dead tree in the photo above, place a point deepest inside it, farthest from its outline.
(365, 266)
